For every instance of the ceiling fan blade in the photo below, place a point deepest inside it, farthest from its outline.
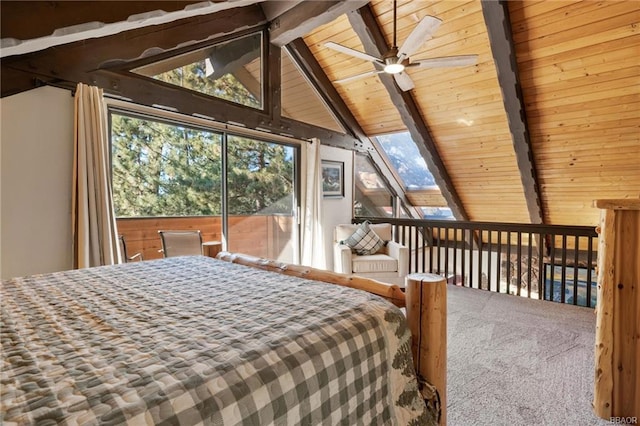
(404, 81)
(352, 52)
(421, 33)
(358, 76)
(447, 61)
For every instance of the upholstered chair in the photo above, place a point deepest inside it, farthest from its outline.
(389, 264)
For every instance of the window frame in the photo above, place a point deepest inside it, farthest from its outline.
(116, 106)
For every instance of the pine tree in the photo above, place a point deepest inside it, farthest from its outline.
(162, 169)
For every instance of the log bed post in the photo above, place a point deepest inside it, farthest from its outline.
(426, 298)
(617, 346)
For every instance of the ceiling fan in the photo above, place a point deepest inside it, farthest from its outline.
(397, 60)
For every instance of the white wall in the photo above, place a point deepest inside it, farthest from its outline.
(36, 160)
(337, 210)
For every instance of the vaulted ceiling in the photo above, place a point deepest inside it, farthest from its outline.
(546, 121)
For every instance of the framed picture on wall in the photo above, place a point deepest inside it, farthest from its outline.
(332, 179)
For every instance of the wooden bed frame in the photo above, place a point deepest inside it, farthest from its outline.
(425, 303)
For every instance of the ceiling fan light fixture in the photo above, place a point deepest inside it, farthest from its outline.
(393, 68)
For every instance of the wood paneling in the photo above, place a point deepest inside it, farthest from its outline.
(580, 76)
(578, 64)
(462, 107)
(300, 101)
(580, 73)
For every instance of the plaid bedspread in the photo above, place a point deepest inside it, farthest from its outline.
(194, 340)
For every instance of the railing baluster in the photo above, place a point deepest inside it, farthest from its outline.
(499, 261)
(576, 269)
(446, 253)
(541, 270)
(416, 234)
(431, 251)
(519, 268)
(552, 266)
(563, 272)
(529, 261)
(478, 239)
(424, 249)
(480, 249)
(463, 255)
(489, 251)
(455, 255)
(508, 277)
(438, 252)
(589, 262)
(471, 258)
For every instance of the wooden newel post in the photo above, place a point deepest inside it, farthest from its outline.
(426, 298)
(617, 349)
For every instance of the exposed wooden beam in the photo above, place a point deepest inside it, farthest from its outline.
(272, 75)
(366, 27)
(496, 17)
(92, 62)
(72, 61)
(274, 8)
(306, 16)
(24, 20)
(151, 92)
(28, 26)
(313, 72)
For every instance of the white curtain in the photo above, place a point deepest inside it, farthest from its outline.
(95, 240)
(312, 238)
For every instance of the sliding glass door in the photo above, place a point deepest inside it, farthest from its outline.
(172, 175)
(261, 198)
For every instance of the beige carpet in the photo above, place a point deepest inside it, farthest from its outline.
(514, 361)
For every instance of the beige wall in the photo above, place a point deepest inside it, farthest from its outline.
(36, 145)
(337, 210)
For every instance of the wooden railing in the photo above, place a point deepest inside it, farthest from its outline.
(266, 236)
(546, 262)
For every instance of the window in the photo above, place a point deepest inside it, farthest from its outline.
(407, 160)
(230, 70)
(169, 175)
(372, 198)
(162, 169)
(419, 183)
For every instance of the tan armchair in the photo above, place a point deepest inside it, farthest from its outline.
(389, 265)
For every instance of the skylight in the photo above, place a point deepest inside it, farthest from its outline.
(405, 157)
(418, 181)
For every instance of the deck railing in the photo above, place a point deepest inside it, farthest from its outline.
(546, 262)
(258, 235)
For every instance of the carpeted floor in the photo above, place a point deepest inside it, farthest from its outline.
(514, 361)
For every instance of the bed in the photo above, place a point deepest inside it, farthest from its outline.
(194, 340)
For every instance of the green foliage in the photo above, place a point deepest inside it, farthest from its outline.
(193, 77)
(260, 177)
(162, 169)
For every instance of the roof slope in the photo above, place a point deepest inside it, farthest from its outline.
(576, 71)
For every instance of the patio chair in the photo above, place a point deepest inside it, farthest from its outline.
(123, 251)
(181, 243)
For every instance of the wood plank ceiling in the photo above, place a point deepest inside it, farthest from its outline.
(576, 72)
(579, 70)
